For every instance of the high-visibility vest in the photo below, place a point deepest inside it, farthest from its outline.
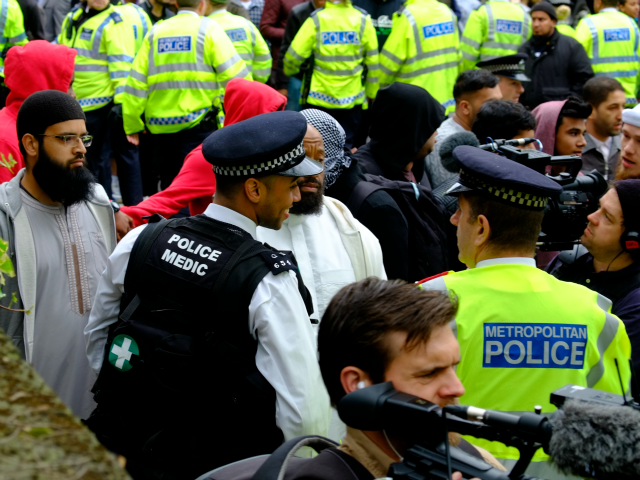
(496, 29)
(104, 44)
(423, 49)
(138, 21)
(248, 41)
(11, 28)
(611, 41)
(342, 40)
(180, 72)
(523, 334)
(567, 30)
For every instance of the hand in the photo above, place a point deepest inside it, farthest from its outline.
(458, 476)
(284, 92)
(134, 139)
(124, 223)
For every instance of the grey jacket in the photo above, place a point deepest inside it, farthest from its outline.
(54, 13)
(592, 158)
(15, 228)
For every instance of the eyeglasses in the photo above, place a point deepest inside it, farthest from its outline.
(72, 140)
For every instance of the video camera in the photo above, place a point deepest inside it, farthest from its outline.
(566, 216)
(380, 407)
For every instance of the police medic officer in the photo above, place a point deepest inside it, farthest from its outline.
(202, 335)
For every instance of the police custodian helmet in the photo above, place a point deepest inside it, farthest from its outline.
(501, 179)
(268, 144)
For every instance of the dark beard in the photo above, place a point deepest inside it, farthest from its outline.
(63, 184)
(310, 203)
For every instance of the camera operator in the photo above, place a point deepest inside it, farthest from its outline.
(610, 267)
(522, 332)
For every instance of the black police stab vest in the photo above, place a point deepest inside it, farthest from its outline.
(179, 382)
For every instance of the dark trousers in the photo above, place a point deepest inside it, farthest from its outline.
(97, 126)
(127, 160)
(148, 168)
(349, 118)
(170, 149)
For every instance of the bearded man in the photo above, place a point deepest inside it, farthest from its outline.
(58, 230)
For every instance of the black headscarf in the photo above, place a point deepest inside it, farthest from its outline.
(403, 118)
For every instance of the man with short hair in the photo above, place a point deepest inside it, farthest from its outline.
(602, 152)
(501, 119)
(610, 262)
(629, 166)
(472, 89)
(508, 307)
(59, 227)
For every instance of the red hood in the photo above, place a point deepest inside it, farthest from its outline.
(245, 99)
(39, 65)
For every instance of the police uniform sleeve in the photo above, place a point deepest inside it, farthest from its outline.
(474, 33)
(222, 56)
(136, 91)
(61, 39)
(395, 50)
(119, 45)
(370, 51)
(287, 356)
(583, 36)
(106, 305)
(261, 68)
(301, 47)
(14, 27)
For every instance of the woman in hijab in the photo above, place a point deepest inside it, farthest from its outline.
(403, 130)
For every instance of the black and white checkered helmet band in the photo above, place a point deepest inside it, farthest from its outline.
(506, 194)
(510, 67)
(282, 163)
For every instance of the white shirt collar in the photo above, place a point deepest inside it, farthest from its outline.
(226, 215)
(608, 9)
(180, 12)
(506, 261)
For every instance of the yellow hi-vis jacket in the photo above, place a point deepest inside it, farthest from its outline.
(248, 42)
(524, 334)
(11, 28)
(496, 29)
(179, 73)
(342, 40)
(105, 45)
(423, 49)
(138, 21)
(611, 41)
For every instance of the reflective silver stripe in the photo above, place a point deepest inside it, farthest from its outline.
(386, 70)
(595, 47)
(4, 11)
(618, 74)
(469, 56)
(262, 58)
(416, 34)
(471, 43)
(89, 54)
(371, 53)
(228, 63)
(525, 24)
(295, 54)
(605, 338)
(120, 58)
(492, 31)
(18, 38)
(339, 73)
(180, 84)
(604, 303)
(421, 56)
(136, 92)
(337, 58)
(138, 76)
(152, 63)
(120, 89)
(118, 74)
(422, 71)
(91, 68)
(316, 22)
(372, 79)
(180, 67)
(595, 61)
(363, 23)
(265, 72)
(391, 56)
(506, 46)
(246, 56)
(252, 29)
(241, 74)
(204, 23)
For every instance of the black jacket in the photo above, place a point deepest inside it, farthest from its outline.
(561, 70)
(297, 17)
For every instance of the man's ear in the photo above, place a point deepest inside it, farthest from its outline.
(254, 189)
(465, 106)
(30, 145)
(483, 231)
(354, 378)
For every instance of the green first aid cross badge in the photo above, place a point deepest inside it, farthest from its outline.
(122, 347)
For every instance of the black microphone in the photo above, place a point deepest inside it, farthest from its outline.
(449, 144)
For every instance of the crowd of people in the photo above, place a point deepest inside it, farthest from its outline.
(226, 215)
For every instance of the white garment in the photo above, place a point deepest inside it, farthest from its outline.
(246, 3)
(277, 318)
(71, 254)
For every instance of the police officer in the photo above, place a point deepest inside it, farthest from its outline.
(12, 33)
(342, 40)
(522, 333)
(177, 81)
(202, 334)
(496, 29)
(423, 49)
(248, 41)
(611, 40)
(104, 42)
(510, 71)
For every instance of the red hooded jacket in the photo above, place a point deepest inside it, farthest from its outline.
(39, 65)
(196, 182)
